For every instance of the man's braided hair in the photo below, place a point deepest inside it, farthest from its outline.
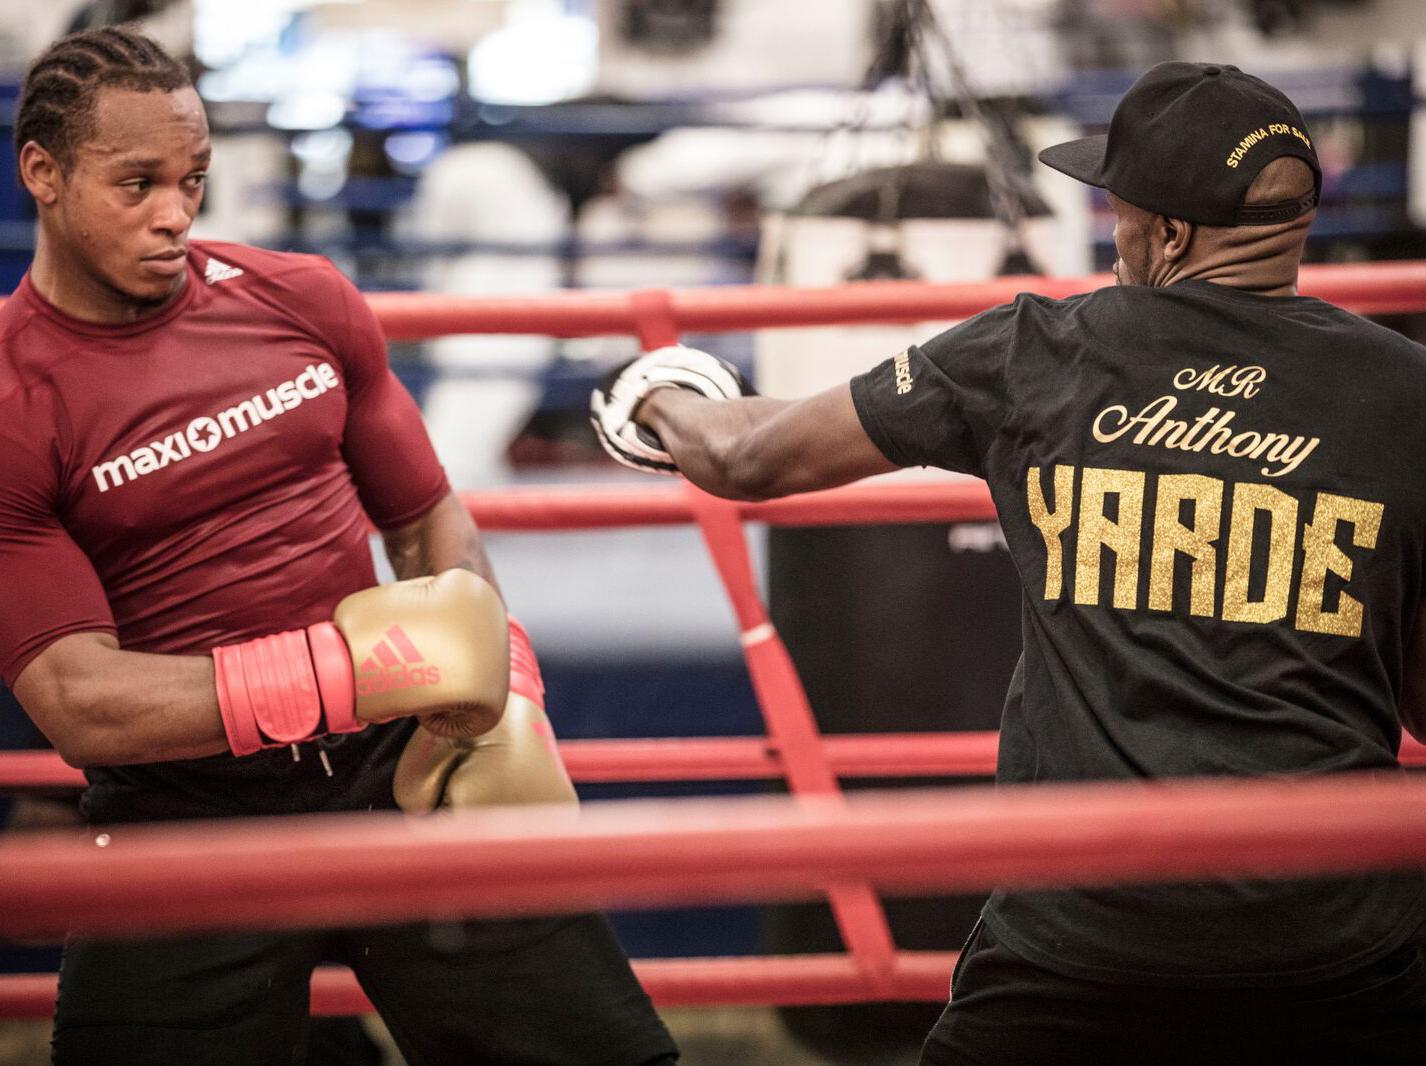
(57, 100)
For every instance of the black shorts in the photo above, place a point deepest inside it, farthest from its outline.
(1005, 1011)
(546, 991)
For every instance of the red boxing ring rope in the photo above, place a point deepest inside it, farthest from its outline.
(341, 870)
(1366, 288)
(804, 980)
(970, 754)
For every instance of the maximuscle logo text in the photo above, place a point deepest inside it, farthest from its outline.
(206, 432)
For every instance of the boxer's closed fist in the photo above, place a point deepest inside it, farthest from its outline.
(614, 404)
(432, 647)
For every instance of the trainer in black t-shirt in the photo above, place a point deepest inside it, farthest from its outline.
(1216, 506)
(1210, 486)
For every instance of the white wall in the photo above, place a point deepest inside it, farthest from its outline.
(764, 44)
(1335, 37)
(26, 27)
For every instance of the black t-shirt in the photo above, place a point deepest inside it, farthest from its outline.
(1216, 504)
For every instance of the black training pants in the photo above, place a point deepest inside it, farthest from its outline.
(523, 992)
(1005, 1011)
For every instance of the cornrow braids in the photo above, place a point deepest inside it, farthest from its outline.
(57, 100)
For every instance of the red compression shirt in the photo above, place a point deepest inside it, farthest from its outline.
(199, 477)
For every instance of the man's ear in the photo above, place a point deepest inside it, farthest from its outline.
(40, 173)
(1174, 235)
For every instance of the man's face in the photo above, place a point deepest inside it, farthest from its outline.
(126, 202)
(1133, 229)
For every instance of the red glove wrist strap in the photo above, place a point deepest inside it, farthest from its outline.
(332, 663)
(273, 691)
(267, 692)
(525, 679)
(239, 719)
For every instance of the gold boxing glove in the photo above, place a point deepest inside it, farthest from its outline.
(433, 647)
(436, 648)
(516, 762)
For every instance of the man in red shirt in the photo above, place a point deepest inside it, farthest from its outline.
(193, 437)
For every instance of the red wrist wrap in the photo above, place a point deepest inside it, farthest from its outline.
(525, 679)
(236, 709)
(267, 692)
(332, 663)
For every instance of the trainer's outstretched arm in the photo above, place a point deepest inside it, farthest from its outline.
(758, 448)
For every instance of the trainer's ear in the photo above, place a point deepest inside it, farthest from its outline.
(40, 173)
(1175, 235)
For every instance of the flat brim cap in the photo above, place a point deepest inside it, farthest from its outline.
(1082, 159)
(1187, 140)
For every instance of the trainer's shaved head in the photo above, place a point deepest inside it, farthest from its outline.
(1285, 178)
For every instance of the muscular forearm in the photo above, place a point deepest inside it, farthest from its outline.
(444, 538)
(715, 442)
(100, 706)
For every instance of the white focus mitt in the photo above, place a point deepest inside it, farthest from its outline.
(613, 403)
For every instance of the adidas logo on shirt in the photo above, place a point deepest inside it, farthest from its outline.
(220, 271)
(392, 665)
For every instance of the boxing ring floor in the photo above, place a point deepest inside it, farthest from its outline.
(815, 843)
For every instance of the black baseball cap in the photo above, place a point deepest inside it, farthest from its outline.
(1188, 139)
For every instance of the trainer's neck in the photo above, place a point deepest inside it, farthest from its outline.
(1257, 259)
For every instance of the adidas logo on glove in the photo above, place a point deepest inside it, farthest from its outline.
(391, 666)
